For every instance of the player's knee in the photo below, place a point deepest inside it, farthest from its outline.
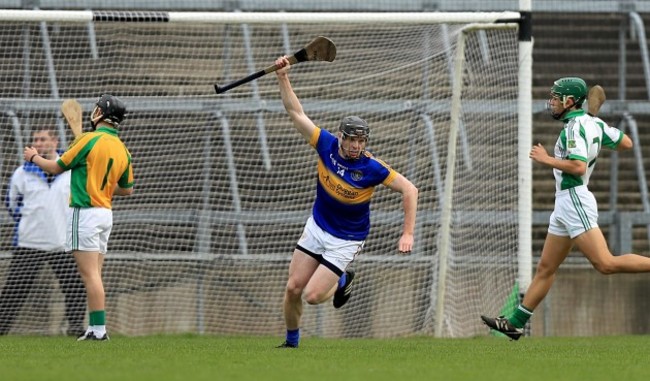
(312, 297)
(293, 290)
(605, 267)
(545, 271)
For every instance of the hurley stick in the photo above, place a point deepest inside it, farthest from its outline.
(319, 49)
(71, 110)
(595, 99)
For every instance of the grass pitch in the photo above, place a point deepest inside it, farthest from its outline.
(190, 357)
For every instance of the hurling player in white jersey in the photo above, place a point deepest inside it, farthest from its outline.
(336, 231)
(574, 221)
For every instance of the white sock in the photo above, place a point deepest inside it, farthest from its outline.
(99, 330)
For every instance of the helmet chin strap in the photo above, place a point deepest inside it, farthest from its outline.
(561, 114)
(92, 121)
(95, 121)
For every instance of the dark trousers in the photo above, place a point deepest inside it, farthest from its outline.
(25, 266)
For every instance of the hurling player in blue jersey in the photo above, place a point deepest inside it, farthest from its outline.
(336, 231)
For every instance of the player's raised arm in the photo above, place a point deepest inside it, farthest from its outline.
(300, 120)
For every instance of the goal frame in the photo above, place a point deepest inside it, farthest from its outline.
(524, 215)
(477, 20)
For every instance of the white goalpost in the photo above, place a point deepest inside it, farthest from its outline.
(224, 183)
(444, 249)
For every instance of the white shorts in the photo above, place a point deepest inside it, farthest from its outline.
(332, 252)
(88, 229)
(576, 211)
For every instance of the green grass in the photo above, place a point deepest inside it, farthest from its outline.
(189, 357)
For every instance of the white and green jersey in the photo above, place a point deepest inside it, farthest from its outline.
(581, 139)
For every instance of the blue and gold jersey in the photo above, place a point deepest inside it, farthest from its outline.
(345, 187)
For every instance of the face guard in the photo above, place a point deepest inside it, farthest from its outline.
(353, 128)
(565, 88)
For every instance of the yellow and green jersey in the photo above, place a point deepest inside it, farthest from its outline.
(98, 162)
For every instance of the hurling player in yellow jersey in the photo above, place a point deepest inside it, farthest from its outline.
(100, 166)
(336, 231)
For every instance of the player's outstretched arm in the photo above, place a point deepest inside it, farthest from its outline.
(300, 120)
(50, 166)
(410, 205)
(625, 144)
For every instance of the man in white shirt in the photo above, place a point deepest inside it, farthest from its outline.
(38, 202)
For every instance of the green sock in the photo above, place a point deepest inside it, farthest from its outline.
(520, 316)
(97, 317)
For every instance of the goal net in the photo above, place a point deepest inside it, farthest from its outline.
(224, 183)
